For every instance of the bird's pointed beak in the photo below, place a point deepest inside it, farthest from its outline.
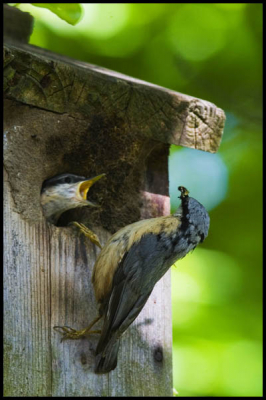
(184, 192)
(84, 186)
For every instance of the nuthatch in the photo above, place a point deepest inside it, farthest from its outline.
(64, 192)
(131, 263)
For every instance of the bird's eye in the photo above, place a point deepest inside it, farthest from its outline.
(67, 179)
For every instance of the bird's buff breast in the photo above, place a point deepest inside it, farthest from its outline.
(119, 244)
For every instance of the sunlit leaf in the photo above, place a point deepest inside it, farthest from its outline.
(69, 12)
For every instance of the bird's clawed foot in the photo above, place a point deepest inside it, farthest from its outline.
(88, 233)
(70, 333)
(73, 334)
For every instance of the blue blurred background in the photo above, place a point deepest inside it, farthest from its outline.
(214, 52)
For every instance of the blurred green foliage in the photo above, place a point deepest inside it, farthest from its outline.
(214, 52)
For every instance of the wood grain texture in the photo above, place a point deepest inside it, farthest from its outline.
(52, 82)
(47, 282)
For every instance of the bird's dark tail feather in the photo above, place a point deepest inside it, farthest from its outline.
(107, 362)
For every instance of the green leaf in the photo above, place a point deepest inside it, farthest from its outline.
(71, 13)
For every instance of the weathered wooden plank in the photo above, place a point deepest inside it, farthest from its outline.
(47, 282)
(27, 361)
(46, 80)
(73, 304)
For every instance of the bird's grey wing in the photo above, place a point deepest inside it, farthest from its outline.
(131, 289)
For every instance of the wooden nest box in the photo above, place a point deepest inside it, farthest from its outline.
(63, 115)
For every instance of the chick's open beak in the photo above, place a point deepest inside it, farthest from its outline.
(84, 186)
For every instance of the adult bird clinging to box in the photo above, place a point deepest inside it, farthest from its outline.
(130, 264)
